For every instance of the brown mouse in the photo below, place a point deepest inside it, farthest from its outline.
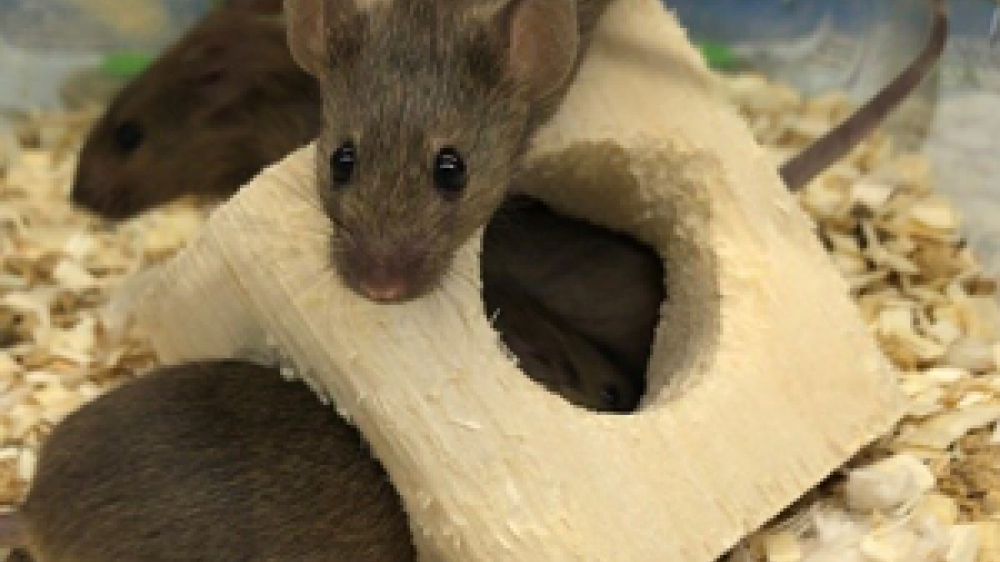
(604, 285)
(553, 353)
(207, 462)
(219, 105)
(427, 107)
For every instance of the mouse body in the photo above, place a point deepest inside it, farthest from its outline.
(205, 117)
(605, 286)
(210, 461)
(559, 357)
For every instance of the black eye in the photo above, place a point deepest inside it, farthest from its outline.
(449, 172)
(610, 396)
(342, 163)
(128, 136)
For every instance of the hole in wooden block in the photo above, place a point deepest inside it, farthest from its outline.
(647, 266)
(575, 302)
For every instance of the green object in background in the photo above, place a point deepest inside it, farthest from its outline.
(125, 64)
(718, 56)
(128, 64)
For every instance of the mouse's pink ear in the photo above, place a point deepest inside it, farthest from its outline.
(316, 28)
(544, 40)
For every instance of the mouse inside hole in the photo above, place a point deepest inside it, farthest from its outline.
(577, 304)
(611, 293)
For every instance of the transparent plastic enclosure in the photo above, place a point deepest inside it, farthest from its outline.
(50, 47)
(857, 46)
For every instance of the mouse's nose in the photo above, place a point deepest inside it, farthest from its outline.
(392, 274)
(381, 282)
(390, 291)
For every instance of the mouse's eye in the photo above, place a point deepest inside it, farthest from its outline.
(342, 163)
(610, 396)
(449, 172)
(128, 136)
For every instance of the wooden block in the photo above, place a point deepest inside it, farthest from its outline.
(763, 379)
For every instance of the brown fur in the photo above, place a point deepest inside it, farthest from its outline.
(402, 80)
(199, 170)
(604, 285)
(377, 80)
(210, 462)
(222, 103)
(564, 361)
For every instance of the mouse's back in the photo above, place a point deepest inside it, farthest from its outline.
(605, 285)
(218, 461)
(560, 358)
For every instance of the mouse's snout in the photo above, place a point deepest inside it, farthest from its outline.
(97, 195)
(388, 276)
(384, 284)
(87, 193)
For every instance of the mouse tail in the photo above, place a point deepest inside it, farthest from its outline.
(802, 168)
(11, 530)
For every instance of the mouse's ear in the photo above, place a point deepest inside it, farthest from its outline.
(543, 40)
(319, 28)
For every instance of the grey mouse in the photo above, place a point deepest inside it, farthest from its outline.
(427, 107)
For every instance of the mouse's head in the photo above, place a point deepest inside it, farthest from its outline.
(201, 120)
(426, 110)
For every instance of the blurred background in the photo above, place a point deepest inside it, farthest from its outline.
(70, 53)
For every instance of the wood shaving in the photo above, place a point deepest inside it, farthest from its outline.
(59, 268)
(929, 491)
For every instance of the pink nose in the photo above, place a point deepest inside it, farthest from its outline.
(384, 291)
(384, 284)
